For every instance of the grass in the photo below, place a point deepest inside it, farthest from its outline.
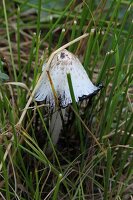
(98, 163)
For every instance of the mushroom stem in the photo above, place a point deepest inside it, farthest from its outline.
(55, 127)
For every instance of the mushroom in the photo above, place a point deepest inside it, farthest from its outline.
(54, 88)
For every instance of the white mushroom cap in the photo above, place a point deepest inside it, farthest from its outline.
(63, 63)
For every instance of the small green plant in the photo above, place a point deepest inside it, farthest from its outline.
(3, 76)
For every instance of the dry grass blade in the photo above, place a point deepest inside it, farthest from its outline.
(92, 135)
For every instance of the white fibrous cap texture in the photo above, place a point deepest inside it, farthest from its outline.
(62, 64)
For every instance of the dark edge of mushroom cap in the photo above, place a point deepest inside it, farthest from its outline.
(99, 87)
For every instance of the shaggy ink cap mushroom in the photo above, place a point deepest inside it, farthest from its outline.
(63, 63)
